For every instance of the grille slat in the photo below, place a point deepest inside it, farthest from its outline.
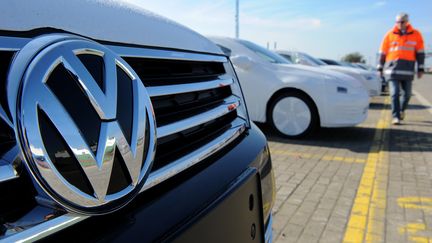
(172, 108)
(189, 160)
(7, 171)
(4, 117)
(187, 88)
(229, 105)
(8, 148)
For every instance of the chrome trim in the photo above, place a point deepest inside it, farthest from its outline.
(44, 229)
(5, 118)
(236, 90)
(175, 167)
(52, 226)
(20, 64)
(16, 43)
(238, 126)
(97, 167)
(12, 43)
(7, 170)
(124, 51)
(268, 236)
(186, 88)
(231, 103)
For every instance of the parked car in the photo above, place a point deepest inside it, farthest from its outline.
(365, 66)
(372, 79)
(368, 79)
(374, 70)
(294, 99)
(120, 125)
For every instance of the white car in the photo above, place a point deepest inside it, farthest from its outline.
(370, 79)
(294, 99)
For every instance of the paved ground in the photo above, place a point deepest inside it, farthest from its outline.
(368, 183)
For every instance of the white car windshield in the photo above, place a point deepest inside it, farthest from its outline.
(264, 53)
(312, 60)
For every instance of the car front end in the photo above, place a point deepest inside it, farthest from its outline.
(122, 136)
(369, 79)
(347, 103)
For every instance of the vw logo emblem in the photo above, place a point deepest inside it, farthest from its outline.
(85, 123)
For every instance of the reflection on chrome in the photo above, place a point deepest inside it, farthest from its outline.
(4, 117)
(186, 88)
(7, 166)
(64, 221)
(110, 134)
(97, 168)
(199, 119)
(156, 177)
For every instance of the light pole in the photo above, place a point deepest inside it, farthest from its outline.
(237, 20)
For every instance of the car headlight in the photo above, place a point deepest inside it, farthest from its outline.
(237, 91)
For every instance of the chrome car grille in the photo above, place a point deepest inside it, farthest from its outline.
(198, 107)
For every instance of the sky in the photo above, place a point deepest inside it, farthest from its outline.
(326, 29)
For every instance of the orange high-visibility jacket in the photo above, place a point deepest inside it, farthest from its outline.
(399, 53)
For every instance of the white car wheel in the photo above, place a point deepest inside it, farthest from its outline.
(293, 115)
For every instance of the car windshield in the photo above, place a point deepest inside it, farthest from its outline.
(287, 56)
(264, 53)
(332, 62)
(360, 66)
(366, 67)
(312, 60)
(347, 64)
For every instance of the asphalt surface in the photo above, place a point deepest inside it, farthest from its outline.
(424, 87)
(368, 183)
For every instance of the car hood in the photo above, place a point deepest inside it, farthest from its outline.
(283, 70)
(114, 21)
(314, 72)
(347, 69)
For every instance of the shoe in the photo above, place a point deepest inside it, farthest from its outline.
(402, 115)
(395, 121)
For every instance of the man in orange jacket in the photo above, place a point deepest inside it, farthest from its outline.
(401, 48)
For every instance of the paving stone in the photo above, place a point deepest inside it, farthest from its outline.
(300, 218)
(314, 228)
(306, 238)
(330, 237)
(337, 223)
(318, 183)
(290, 233)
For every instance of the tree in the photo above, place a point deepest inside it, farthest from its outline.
(354, 57)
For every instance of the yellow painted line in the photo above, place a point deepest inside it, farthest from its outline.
(417, 232)
(299, 155)
(412, 228)
(421, 239)
(366, 222)
(422, 203)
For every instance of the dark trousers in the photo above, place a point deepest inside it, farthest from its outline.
(400, 93)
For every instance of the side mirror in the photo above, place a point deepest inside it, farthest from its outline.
(243, 62)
